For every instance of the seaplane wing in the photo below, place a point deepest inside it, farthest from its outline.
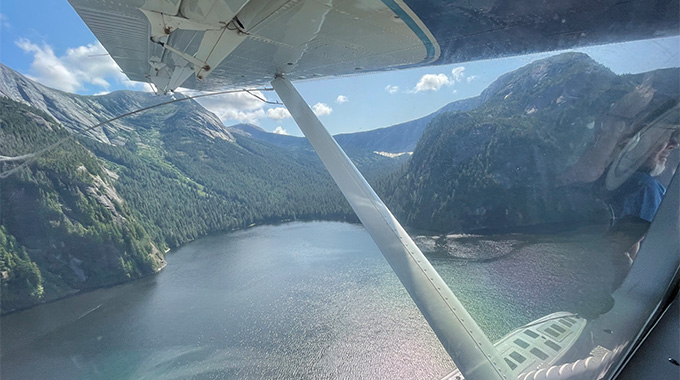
(213, 44)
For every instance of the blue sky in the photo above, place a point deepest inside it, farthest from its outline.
(54, 47)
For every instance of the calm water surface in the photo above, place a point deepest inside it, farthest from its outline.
(299, 300)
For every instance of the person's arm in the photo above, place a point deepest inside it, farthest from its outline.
(624, 242)
(626, 234)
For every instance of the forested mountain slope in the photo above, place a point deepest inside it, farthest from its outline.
(63, 225)
(506, 163)
(100, 208)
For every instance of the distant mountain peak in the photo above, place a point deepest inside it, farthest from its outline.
(245, 128)
(562, 68)
(80, 112)
(523, 155)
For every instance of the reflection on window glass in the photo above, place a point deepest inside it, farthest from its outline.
(552, 345)
(552, 332)
(518, 357)
(511, 364)
(521, 343)
(548, 192)
(540, 354)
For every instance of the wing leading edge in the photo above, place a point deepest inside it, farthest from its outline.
(214, 44)
(209, 44)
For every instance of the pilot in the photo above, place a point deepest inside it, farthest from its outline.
(635, 194)
(635, 202)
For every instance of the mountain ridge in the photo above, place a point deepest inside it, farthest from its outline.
(175, 173)
(503, 164)
(79, 113)
(397, 139)
(64, 227)
(151, 181)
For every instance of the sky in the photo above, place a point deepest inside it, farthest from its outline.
(54, 47)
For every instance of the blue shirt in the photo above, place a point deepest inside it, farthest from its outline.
(639, 196)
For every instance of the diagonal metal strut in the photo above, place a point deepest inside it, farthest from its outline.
(462, 338)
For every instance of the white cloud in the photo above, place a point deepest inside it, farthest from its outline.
(322, 109)
(431, 82)
(80, 66)
(457, 74)
(4, 21)
(48, 69)
(146, 87)
(391, 89)
(278, 113)
(341, 99)
(434, 82)
(250, 117)
(471, 78)
(232, 107)
(280, 131)
(91, 65)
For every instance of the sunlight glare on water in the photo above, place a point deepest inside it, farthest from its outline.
(299, 300)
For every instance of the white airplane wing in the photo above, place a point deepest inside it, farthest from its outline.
(213, 44)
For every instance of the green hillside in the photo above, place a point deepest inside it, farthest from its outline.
(90, 213)
(498, 166)
(183, 184)
(64, 228)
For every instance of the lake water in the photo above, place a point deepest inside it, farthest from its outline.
(298, 300)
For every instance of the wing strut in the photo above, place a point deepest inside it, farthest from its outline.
(462, 338)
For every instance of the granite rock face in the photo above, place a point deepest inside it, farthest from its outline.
(63, 227)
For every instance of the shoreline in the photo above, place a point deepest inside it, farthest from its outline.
(75, 293)
(545, 229)
(83, 291)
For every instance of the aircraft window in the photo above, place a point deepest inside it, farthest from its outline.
(521, 343)
(539, 354)
(552, 345)
(511, 363)
(518, 357)
(543, 186)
